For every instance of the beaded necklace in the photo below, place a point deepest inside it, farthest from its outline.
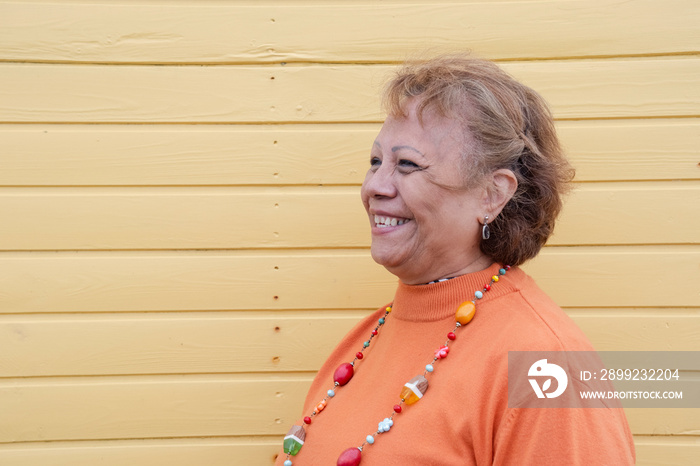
(411, 392)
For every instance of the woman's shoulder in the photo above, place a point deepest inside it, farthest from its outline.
(527, 319)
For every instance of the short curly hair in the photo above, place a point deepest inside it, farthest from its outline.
(513, 129)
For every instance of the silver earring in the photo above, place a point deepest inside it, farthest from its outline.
(485, 232)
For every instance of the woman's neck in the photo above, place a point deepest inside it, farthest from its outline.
(481, 262)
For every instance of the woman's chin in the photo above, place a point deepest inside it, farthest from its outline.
(386, 258)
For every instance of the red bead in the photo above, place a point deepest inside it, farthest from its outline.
(359, 355)
(507, 267)
(441, 352)
(343, 373)
(397, 408)
(374, 332)
(487, 287)
(307, 420)
(451, 336)
(350, 457)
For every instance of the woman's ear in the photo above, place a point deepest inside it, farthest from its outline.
(500, 188)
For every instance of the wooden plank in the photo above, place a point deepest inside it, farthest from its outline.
(220, 94)
(190, 155)
(640, 329)
(633, 150)
(613, 276)
(252, 451)
(187, 281)
(184, 218)
(587, 88)
(88, 155)
(648, 87)
(238, 218)
(324, 31)
(170, 343)
(617, 213)
(660, 422)
(132, 408)
(667, 451)
(149, 407)
(196, 280)
(651, 451)
(287, 341)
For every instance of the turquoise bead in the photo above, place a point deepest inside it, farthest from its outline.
(479, 295)
(381, 320)
(331, 393)
(366, 344)
(287, 463)
(502, 271)
(429, 367)
(370, 439)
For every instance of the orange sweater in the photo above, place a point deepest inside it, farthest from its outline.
(464, 418)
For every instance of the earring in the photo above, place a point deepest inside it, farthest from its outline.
(485, 231)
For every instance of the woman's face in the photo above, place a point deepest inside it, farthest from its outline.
(424, 221)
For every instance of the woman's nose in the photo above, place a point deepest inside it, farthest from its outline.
(380, 182)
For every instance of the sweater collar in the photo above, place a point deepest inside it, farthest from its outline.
(437, 301)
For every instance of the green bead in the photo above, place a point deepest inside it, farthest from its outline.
(294, 440)
(292, 446)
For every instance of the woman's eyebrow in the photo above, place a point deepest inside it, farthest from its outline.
(397, 148)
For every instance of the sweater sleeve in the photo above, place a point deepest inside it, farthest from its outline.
(571, 436)
(588, 436)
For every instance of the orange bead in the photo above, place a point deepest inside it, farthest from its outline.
(414, 390)
(465, 312)
(321, 406)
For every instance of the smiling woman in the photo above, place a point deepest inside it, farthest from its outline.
(413, 179)
(464, 184)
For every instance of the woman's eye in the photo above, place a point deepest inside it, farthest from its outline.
(403, 163)
(375, 162)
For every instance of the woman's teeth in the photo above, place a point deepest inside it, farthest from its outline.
(382, 222)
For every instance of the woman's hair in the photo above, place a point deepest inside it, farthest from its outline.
(512, 128)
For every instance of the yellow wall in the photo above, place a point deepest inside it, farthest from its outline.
(181, 238)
